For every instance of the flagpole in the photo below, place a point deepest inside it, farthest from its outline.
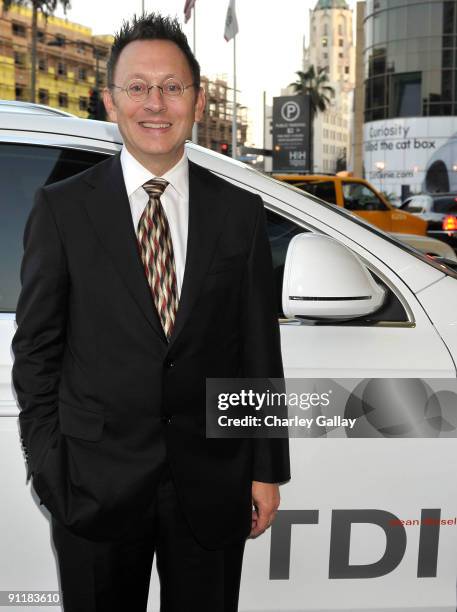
(234, 123)
(194, 44)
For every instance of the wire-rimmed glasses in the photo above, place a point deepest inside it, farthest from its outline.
(138, 89)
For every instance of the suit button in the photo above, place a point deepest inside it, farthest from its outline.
(166, 420)
(169, 364)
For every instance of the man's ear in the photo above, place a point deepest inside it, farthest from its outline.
(109, 105)
(200, 104)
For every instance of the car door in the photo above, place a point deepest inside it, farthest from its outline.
(26, 558)
(314, 558)
(398, 341)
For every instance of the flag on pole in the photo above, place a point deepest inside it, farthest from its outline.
(231, 24)
(189, 5)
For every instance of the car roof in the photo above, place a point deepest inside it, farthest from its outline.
(15, 106)
(14, 124)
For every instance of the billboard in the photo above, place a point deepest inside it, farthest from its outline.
(291, 133)
(411, 155)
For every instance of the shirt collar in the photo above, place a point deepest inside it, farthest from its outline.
(135, 174)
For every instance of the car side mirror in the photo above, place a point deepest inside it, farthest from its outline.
(323, 279)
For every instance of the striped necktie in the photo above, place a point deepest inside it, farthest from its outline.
(156, 249)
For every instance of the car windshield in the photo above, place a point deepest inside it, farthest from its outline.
(444, 265)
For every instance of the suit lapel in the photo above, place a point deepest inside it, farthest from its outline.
(109, 210)
(207, 209)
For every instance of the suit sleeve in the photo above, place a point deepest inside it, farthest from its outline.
(39, 339)
(262, 347)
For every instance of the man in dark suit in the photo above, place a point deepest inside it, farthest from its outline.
(142, 277)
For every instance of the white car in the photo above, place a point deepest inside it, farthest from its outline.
(329, 548)
(440, 210)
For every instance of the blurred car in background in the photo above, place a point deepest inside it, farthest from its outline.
(440, 213)
(359, 197)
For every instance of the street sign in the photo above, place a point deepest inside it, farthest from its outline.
(291, 133)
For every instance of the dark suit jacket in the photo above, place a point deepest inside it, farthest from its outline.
(104, 398)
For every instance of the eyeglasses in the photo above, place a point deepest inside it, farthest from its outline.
(138, 90)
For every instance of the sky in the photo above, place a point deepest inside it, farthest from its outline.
(268, 46)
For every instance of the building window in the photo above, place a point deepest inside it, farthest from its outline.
(19, 59)
(340, 55)
(340, 42)
(406, 95)
(346, 69)
(42, 64)
(83, 104)
(80, 47)
(19, 30)
(43, 96)
(60, 40)
(102, 55)
(61, 69)
(40, 36)
(325, 55)
(20, 92)
(340, 29)
(324, 42)
(63, 99)
(82, 74)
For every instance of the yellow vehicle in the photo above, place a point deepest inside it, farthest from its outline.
(358, 196)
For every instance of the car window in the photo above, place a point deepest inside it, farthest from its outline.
(23, 169)
(445, 205)
(280, 233)
(324, 190)
(360, 197)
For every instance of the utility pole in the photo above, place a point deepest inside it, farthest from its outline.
(34, 56)
(194, 44)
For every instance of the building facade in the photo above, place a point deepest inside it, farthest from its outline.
(410, 84)
(66, 69)
(215, 129)
(331, 46)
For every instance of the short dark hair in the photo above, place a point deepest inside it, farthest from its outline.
(152, 26)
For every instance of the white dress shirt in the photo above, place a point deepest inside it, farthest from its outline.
(175, 201)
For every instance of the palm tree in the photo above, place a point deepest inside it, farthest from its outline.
(315, 85)
(46, 7)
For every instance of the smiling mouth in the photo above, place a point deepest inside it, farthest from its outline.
(154, 126)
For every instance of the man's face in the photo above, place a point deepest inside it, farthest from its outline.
(154, 130)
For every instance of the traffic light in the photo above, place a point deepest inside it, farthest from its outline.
(96, 108)
(225, 148)
(94, 99)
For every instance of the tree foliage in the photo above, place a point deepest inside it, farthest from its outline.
(314, 84)
(46, 7)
